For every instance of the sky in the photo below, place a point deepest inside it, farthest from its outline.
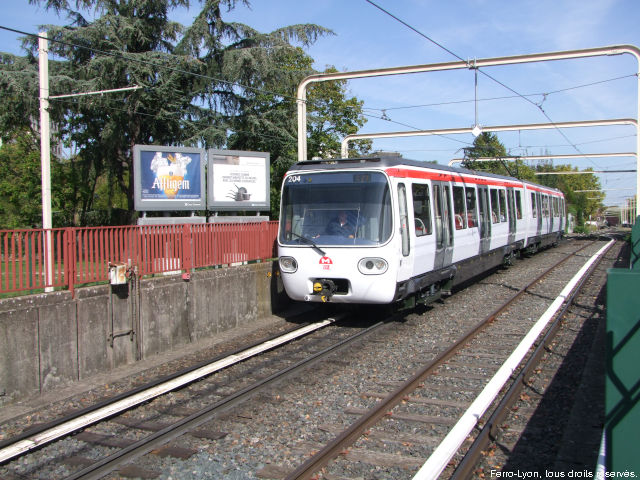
(435, 31)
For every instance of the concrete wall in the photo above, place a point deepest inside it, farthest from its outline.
(50, 340)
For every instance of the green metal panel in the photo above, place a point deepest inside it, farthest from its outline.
(635, 245)
(623, 371)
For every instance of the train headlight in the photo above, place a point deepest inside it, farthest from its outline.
(373, 266)
(288, 264)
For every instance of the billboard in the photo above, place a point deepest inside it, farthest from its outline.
(238, 180)
(169, 178)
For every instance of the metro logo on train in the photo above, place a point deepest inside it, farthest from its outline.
(325, 262)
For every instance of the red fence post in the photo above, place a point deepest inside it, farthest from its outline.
(69, 259)
(186, 249)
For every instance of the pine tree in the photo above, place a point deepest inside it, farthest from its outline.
(212, 84)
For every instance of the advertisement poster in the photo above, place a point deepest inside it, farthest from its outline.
(238, 180)
(169, 178)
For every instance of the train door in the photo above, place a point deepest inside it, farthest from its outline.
(425, 243)
(511, 209)
(540, 213)
(485, 219)
(406, 260)
(544, 199)
(522, 226)
(443, 228)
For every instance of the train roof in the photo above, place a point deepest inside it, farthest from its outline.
(383, 161)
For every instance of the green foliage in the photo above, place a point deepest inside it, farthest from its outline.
(20, 204)
(211, 84)
(582, 204)
(487, 145)
(332, 116)
(20, 184)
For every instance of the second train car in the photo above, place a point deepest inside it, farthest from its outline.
(384, 230)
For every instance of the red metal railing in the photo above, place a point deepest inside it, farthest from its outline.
(83, 255)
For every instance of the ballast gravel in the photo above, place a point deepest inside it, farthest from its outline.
(276, 431)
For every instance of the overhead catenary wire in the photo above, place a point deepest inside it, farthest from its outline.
(505, 97)
(291, 97)
(471, 66)
(384, 116)
(168, 68)
(154, 64)
(178, 70)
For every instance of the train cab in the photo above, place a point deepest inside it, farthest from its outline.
(336, 236)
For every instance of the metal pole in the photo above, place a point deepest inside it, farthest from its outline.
(475, 97)
(45, 155)
(512, 60)
(302, 121)
(637, 55)
(494, 128)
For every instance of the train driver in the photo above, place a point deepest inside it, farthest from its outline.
(341, 226)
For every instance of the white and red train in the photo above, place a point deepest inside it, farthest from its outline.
(384, 230)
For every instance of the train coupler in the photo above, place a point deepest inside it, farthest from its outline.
(325, 288)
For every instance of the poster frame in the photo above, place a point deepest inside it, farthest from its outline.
(167, 204)
(235, 205)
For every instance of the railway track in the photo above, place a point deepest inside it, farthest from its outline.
(558, 407)
(379, 440)
(272, 430)
(112, 433)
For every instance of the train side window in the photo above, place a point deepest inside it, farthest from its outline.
(495, 207)
(550, 205)
(458, 208)
(503, 205)
(421, 209)
(534, 206)
(472, 212)
(545, 205)
(518, 205)
(483, 210)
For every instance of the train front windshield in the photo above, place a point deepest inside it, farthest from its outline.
(336, 208)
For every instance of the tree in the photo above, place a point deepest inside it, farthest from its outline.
(20, 185)
(487, 144)
(270, 124)
(581, 204)
(211, 84)
(20, 204)
(332, 116)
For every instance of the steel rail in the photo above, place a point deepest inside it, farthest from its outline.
(455, 438)
(153, 441)
(51, 431)
(489, 429)
(384, 406)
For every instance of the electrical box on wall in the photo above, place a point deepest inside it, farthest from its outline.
(117, 273)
